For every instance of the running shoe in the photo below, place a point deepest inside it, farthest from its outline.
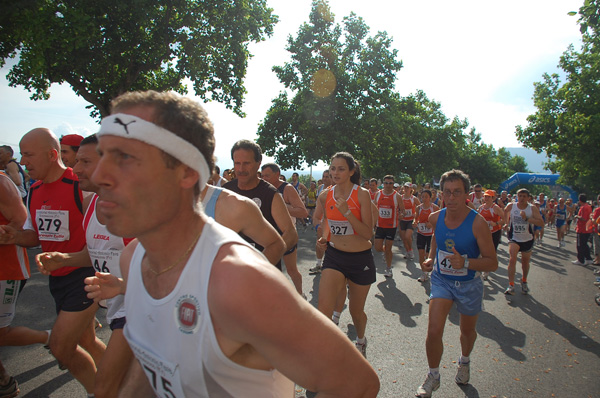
(510, 290)
(11, 389)
(409, 255)
(562, 243)
(577, 262)
(524, 288)
(559, 245)
(485, 276)
(428, 387)
(315, 270)
(597, 272)
(388, 273)
(462, 373)
(362, 348)
(424, 277)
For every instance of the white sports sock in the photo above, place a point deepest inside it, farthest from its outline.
(435, 372)
(464, 359)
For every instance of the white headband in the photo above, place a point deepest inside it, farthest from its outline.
(133, 127)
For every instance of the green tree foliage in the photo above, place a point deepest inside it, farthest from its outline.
(105, 48)
(340, 97)
(338, 84)
(567, 122)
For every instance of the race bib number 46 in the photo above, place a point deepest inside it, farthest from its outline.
(53, 225)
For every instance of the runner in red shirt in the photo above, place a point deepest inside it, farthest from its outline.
(55, 222)
(389, 206)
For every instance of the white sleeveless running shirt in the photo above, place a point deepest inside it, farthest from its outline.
(105, 250)
(174, 338)
(520, 230)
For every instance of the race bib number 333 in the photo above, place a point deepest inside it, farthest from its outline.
(53, 225)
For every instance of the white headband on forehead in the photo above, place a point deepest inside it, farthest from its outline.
(132, 127)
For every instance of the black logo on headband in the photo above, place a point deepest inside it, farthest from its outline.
(119, 121)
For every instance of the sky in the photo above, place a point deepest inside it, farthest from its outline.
(478, 59)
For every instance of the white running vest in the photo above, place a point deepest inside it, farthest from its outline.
(174, 338)
(520, 230)
(105, 250)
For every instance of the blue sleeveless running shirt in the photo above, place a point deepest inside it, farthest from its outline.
(462, 239)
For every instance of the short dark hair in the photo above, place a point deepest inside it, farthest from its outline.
(249, 146)
(428, 192)
(8, 149)
(91, 139)
(454, 175)
(274, 167)
(582, 197)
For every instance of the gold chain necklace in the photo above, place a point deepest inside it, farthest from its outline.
(179, 259)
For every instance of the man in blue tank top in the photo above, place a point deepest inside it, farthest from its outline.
(462, 248)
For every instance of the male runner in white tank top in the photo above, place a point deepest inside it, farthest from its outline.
(207, 315)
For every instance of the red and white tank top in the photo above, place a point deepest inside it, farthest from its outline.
(422, 221)
(387, 206)
(338, 224)
(490, 217)
(409, 208)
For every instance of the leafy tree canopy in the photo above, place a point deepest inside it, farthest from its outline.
(105, 48)
(340, 96)
(339, 81)
(567, 122)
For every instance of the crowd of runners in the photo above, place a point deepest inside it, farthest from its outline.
(190, 262)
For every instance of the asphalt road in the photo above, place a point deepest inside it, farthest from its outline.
(545, 344)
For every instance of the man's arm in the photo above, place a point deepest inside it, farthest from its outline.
(51, 261)
(11, 205)
(257, 326)
(536, 218)
(13, 210)
(294, 204)
(13, 172)
(135, 383)
(284, 221)
(487, 261)
(242, 215)
(507, 210)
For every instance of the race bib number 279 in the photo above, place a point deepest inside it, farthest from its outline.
(53, 225)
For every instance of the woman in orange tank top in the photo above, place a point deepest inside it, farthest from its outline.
(348, 256)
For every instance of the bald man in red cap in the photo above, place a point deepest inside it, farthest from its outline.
(69, 145)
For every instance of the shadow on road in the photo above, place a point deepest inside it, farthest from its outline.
(395, 301)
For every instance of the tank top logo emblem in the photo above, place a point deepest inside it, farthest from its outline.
(186, 314)
(449, 243)
(258, 202)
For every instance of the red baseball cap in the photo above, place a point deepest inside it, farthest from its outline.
(71, 139)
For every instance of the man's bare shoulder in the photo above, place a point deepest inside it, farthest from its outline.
(231, 199)
(242, 281)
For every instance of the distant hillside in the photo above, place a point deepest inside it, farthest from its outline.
(535, 161)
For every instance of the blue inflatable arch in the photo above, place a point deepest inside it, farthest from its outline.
(535, 179)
